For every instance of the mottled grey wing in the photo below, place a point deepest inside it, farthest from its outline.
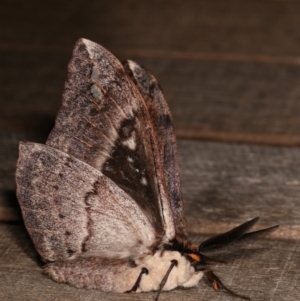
(105, 123)
(72, 210)
(163, 126)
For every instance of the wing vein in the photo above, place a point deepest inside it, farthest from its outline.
(97, 128)
(80, 140)
(94, 102)
(105, 115)
(112, 100)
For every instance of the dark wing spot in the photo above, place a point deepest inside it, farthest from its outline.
(61, 216)
(68, 233)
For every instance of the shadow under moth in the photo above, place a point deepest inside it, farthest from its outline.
(101, 199)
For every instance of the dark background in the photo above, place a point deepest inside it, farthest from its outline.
(230, 71)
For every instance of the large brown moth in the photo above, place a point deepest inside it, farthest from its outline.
(102, 199)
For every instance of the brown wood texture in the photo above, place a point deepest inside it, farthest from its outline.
(264, 270)
(223, 185)
(230, 71)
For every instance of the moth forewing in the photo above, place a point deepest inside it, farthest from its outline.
(111, 130)
(161, 119)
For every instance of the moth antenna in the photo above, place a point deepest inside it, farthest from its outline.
(164, 280)
(259, 233)
(236, 234)
(137, 283)
(226, 238)
(218, 285)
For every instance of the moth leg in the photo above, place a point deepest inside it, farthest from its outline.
(218, 285)
(164, 280)
(137, 283)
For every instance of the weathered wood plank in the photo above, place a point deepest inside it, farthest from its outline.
(229, 101)
(223, 185)
(264, 270)
(229, 70)
(249, 27)
(221, 182)
(237, 102)
(227, 183)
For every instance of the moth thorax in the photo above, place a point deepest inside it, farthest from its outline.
(182, 274)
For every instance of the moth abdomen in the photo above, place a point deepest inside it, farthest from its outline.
(115, 275)
(121, 275)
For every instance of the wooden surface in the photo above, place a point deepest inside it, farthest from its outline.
(231, 73)
(230, 70)
(224, 185)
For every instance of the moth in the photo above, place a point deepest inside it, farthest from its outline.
(101, 199)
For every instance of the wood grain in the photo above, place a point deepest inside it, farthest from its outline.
(247, 27)
(223, 185)
(241, 102)
(250, 270)
(225, 101)
(230, 71)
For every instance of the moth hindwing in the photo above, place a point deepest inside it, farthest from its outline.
(103, 196)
